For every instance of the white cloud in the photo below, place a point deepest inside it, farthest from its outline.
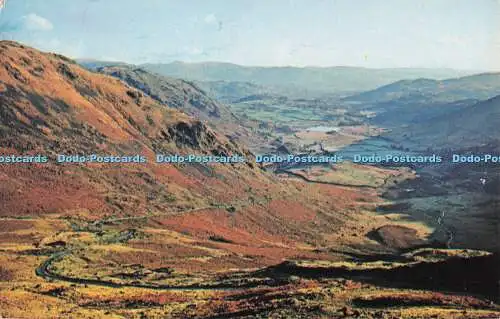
(35, 22)
(210, 19)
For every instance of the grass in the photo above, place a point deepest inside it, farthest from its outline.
(278, 113)
(353, 174)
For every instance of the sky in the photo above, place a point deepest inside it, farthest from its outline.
(459, 34)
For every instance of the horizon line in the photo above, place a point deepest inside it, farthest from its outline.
(112, 60)
(288, 65)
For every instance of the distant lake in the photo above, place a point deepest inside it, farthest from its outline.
(323, 129)
(372, 145)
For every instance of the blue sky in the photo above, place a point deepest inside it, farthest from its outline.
(461, 34)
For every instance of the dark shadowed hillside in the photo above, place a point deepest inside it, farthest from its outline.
(462, 127)
(425, 100)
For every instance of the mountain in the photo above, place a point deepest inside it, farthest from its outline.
(49, 105)
(479, 87)
(298, 80)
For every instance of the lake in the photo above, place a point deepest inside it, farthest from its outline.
(323, 129)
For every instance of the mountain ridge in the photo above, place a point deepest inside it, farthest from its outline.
(477, 86)
(186, 97)
(460, 127)
(317, 80)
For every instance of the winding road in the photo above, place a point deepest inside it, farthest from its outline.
(45, 272)
(323, 182)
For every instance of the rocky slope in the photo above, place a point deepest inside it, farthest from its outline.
(176, 93)
(186, 97)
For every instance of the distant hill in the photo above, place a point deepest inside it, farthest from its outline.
(480, 87)
(465, 127)
(306, 80)
(230, 91)
(421, 100)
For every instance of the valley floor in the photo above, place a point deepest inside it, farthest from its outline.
(166, 266)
